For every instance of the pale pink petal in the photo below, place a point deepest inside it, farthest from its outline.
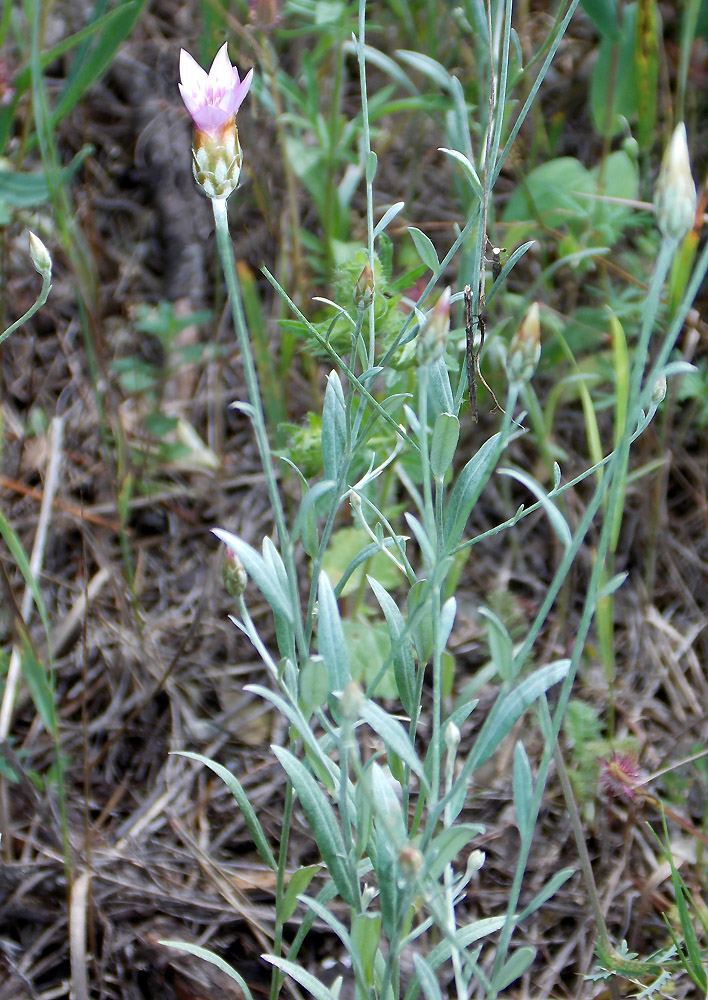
(221, 73)
(193, 77)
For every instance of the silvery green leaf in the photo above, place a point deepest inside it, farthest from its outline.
(388, 216)
(401, 649)
(523, 788)
(331, 643)
(558, 522)
(500, 644)
(426, 249)
(468, 486)
(446, 434)
(427, 979)
(323, 823)
(334, 428)
(394, 736)
(318, 990)
(209, 956)
(236, 789)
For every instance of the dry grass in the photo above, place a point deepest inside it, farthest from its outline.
(158, 847)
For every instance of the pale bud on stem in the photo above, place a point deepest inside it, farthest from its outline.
(525, 347)
(675, 195)
(432, 339)
(40, 256)
(658, 392)
(233, 574)
(364, 289)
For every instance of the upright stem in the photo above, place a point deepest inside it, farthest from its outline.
(255, 411)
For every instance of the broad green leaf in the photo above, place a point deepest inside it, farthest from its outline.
(603, 14)
(331, 642)
(552, 194)
(237, 790)
(89, 64)
(209, 956)
(323, 823)
(314, 684)
(614, 89)
(24, 190)
(426, 250)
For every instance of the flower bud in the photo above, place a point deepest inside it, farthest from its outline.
(40, 256)
(432, 339)
(364, 289)
(658, 392)
(264, 14)
(452, 737)
(525, 347)
(351, 701)
(212, 100)
(675, 195)
(411, 861)
(233, 574)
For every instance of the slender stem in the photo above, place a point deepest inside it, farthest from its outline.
(228, 264)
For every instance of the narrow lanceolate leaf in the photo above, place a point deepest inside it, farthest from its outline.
(334, 428)
(425, 248)
(465, 493)
(331, 643)
(323, 823)
(446, 434)
(427, 978)
(394, 736)
(401, 649)
(305, 979)
(523, 788)
(209, 956)
(236, 789)
(558, 522)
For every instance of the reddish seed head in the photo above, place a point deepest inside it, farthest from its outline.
(618, 775)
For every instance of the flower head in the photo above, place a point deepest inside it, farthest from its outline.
(212, 99)
(619, 774)
(525, 347)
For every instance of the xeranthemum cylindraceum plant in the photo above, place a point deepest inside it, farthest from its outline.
(395, 854)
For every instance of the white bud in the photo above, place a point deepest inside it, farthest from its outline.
(40, 256)
(675, 195)
(658, 392)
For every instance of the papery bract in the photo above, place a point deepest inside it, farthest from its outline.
(212, 99)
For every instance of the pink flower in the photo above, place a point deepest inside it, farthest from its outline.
(212, 100)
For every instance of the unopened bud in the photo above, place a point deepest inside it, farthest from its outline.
(432, 339)
(233, 574)
(351, 701)
(675, 195)
(658, 392)
(40, 256)
(411, 862)
(452, 737)
(525, 347)
(364, 289)
(264, 14)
